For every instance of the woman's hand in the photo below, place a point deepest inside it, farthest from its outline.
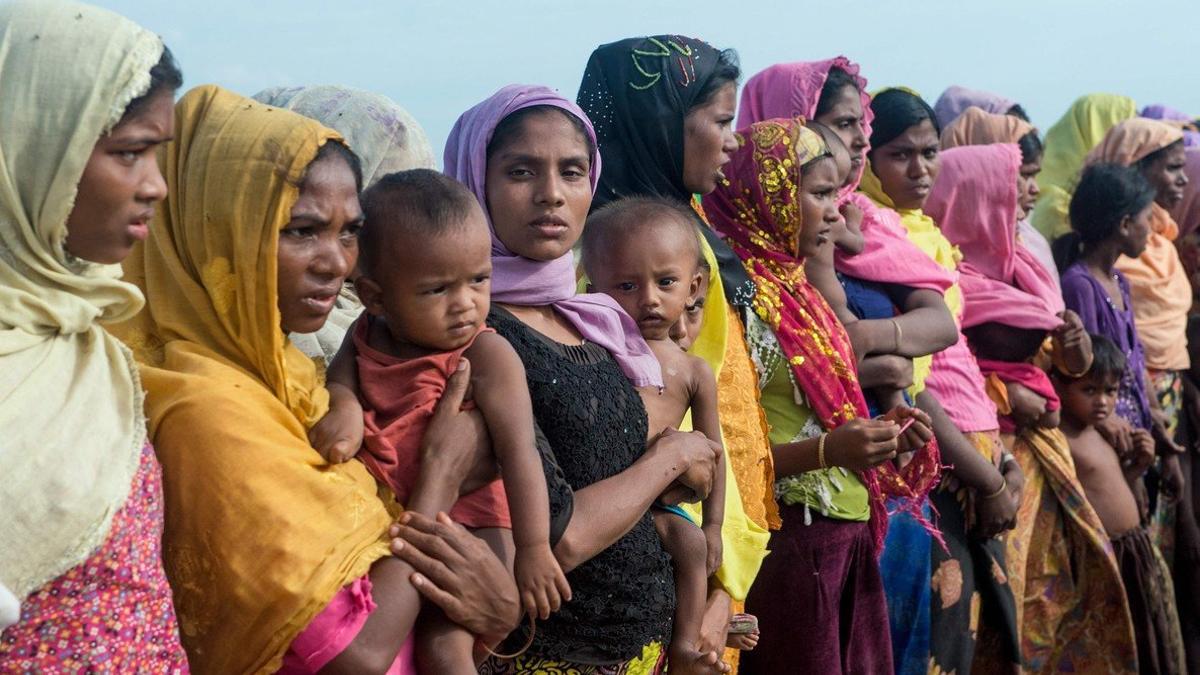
(456, 454)
(918, 433)
(1027, 406)
(861, 444)
(695, 452)
(458, 572)
(995, 512)
(1073, 342)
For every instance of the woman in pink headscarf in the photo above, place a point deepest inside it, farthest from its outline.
(1060, 565)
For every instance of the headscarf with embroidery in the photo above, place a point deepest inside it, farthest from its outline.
(637, 92)
(758, 212)
(974, 201)
(1161, 292)
(956, 100)
(70, 399)
(260, 531)
(1067, 144)
(523, 281)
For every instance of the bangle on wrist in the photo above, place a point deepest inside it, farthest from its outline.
(899, 335)
(821, 450)
(1003, 487)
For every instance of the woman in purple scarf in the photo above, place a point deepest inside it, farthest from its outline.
(530, 156)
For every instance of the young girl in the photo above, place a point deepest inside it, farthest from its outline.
(1110, 213)
(87, 100)
(981, 497)
(1108, 478)
(644, 253)
(425, 317)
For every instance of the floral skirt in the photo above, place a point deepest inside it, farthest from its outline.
(113, 612)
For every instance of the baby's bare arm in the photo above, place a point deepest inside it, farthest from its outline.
(502, 396)
(822, 276)
(707, 421)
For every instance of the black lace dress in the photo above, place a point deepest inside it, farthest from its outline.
(593, 425)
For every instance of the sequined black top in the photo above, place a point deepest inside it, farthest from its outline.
(595, 426)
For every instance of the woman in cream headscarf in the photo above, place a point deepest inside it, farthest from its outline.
(385, 137)
(85, 98)
(277, 558)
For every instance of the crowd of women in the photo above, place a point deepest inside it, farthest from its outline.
(937, 410)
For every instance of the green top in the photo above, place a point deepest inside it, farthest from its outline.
(834, 492)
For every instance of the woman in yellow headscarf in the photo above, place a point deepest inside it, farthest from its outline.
(85, 98)
(276, 558)
(1067, 143)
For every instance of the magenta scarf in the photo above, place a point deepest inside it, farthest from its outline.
(788, 90)
(522, 281)
(974, 202)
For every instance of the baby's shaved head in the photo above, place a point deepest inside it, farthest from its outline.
(634, 217)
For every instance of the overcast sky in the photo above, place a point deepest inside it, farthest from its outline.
(439, 58)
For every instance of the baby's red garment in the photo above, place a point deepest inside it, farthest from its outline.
(398, 398)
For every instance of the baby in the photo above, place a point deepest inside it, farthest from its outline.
(425, 284)
(645, 254)
(1108, 479)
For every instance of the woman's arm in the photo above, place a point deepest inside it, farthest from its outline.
(923, 327)
(886, 371)
(857, 445)
(606, 510)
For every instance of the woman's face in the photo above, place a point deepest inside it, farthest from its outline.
(845, 116)
(538, 189)
(1168, 175)
(709, 141)
(121, 184)
(818, 207)
(908, 165)
(1135, 232)
(1027, 188)
(318, 247)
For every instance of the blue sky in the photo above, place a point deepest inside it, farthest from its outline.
(439, 58)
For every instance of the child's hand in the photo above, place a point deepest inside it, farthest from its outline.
(713, 544)
(339, 434)
(540, 581)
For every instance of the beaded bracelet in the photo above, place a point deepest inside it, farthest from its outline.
(821, 450)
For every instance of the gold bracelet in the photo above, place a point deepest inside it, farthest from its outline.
(1003, 487)
(899, 335)
(821, 450)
